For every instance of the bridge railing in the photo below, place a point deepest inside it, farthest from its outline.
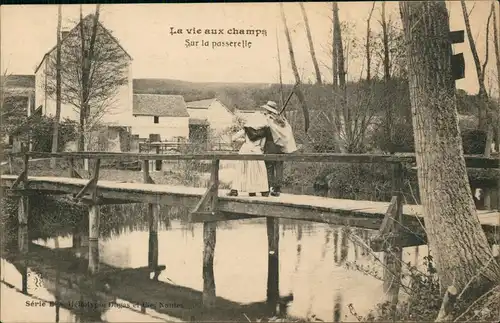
(472, 161)
(397, 161)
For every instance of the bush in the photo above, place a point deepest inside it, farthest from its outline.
(422, 304)
(356, 181)
(474, 141)
(41, 128)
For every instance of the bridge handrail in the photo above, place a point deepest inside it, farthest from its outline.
(472, 161)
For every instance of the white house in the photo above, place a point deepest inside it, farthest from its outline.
(18, 99)
(163, 115)
(119, 109)
(212, 116)
(246, 112)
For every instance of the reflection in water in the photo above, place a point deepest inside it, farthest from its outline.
(337, 308)
(317, 276)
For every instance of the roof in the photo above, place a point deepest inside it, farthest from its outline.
(67, 32)
(200, 104)
(198, 122)
(160, 105)
(24, 81)
(247, 110)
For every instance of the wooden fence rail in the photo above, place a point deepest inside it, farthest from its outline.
(472, 161)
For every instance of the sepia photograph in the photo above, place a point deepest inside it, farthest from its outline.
(250, 162)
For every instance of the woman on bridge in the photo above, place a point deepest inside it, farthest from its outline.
(251, 175)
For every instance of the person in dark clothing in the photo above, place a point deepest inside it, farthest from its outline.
(274, 168)
(279, 140)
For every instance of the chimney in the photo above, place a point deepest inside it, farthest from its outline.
(64, 33)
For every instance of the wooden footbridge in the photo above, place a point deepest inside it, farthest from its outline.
(397, 224)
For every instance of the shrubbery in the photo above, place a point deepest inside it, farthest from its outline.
(42, 127)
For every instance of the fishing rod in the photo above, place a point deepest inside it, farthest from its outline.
(288, 99)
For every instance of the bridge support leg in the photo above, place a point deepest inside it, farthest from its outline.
(94, 214)
(23, 247)
(393, 255)
(273, 264)
(209, 240)
(153, 216)
(392, 274)
(76, 238)
(23, 210)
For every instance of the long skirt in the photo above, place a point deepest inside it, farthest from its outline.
(251, 175)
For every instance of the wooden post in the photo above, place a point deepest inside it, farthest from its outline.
(153, 218)
(23, 210)
(272, 264)
(11, 170)
(209, 241)
(22, 239)
(393, 257)
(145, 171)
(487, 198)
(23, 247)
(94, 216)
(26, 159)
(159, 163)
(71, 167)
(153, 215)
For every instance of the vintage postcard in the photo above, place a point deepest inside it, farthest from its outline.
(250, 162)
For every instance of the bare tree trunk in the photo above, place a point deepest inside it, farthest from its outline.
(463, 257)
(489, 112)
(368, 43)
(335, 113)
(81, 132)
(311, 45)
(497, 56)
(482, 95)
(55, 134)
(337, 38)
(298, 91)
(484, 114)
(88, 56)
(387, 78)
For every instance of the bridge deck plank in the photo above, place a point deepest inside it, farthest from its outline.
(318, 204)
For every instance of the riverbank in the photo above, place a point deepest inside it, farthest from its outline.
(186, 173)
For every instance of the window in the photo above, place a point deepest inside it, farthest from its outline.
(156, 119)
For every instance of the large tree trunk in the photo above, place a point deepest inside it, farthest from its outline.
(298, 91)
(463, 257)
(334, 112)
(311, 45)
(342, 95)
(55, 134)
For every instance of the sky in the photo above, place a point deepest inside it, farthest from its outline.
(144, 30)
